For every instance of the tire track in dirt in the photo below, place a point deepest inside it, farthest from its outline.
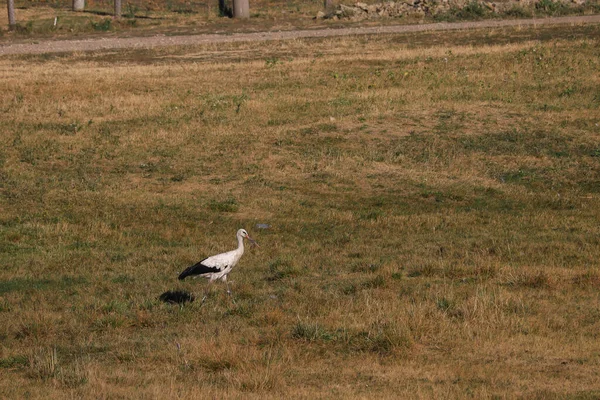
(59, 46)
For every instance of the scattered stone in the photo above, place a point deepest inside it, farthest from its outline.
(395, 9)
(490, 6)
(346, 12)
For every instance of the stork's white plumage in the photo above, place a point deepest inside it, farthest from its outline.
(218, 266)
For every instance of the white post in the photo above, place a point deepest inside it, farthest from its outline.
(12, 22)
(241, 9)
(117, 9)
(78, 5)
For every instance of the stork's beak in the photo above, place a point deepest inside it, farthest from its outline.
(252, 241)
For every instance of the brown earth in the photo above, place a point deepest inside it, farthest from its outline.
(57, 46)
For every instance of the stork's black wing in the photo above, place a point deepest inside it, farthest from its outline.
(198, 269)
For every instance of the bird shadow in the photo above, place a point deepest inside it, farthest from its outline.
(177, 297)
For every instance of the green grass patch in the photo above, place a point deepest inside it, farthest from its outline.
(28, 285)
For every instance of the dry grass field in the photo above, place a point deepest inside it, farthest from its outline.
(434, 203)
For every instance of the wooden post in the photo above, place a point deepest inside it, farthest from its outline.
(328, 5)
(117, 9)
(78, 5)
(241, 9)
(12, 22)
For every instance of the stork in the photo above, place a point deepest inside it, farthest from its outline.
(218, 266)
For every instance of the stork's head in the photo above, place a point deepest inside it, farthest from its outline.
(244, 234)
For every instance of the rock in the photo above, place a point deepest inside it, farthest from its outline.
(419, 8)
(346, 11)
(320, 15)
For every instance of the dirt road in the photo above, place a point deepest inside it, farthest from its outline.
(57, 46)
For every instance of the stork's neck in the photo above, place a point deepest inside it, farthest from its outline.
(240, 248)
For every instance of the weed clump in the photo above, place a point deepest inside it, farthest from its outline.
(103, 26)
(45, 365)
(380, 338)
(228, 205)
(529, 279)
(471, 11)
(14, 362)
(280, 269)
(549, 7)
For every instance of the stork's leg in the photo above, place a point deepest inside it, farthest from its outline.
(207, 290)
(224, 279)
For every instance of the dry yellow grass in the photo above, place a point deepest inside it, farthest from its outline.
(434, 204)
